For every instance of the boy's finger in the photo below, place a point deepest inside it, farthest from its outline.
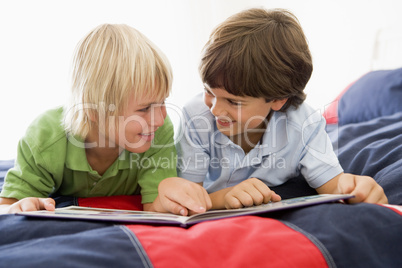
(175, 208)
(267, 193)
(370, 194)
(372, 197)
(275, 197)
(242, 198)
(181, 204)
(346, 184)
(197, 206)
(232, 202)
(383, 199)
(201, 199)
(47, 204)
(257, 197)
(204, 203)
(23, 207)
(29, 204)
(360, 193)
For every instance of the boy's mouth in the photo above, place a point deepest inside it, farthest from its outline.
(147, 136)
(224, 122)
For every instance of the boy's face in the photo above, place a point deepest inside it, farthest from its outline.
(137, 125)
(239, 115)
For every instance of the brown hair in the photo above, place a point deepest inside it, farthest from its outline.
(259, 53)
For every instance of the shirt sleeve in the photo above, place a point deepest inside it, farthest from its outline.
(158, 163)
(318, 163)
(28, 178)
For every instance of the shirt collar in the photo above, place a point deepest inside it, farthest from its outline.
(274, 139)
(124, 159)
(76, 158)
(276, 136)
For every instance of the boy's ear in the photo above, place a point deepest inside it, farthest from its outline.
(277, 104)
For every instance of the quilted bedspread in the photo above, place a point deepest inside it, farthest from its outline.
(325, 235)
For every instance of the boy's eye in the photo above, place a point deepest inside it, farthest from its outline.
(234, 103)
(144, 109)
(147, 108)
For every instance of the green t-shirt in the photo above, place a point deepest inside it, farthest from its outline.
(48, 163)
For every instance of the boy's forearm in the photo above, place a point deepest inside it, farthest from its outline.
(330, 187)
(7, 201)
(5, 204)
(148, 207)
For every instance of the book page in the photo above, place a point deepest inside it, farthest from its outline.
(100, 214)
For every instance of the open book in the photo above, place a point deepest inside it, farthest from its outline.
(100, 214)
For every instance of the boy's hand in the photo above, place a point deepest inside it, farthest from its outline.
(181, 196)
(28, 204)
(364, 188)
(248, 193)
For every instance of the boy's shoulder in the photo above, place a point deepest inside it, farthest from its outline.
(302, 116)
(196, 106)
(198, 116)
(46, 129)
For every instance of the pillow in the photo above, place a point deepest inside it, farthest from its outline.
(376, 94)
(331, 111)
(5, 165)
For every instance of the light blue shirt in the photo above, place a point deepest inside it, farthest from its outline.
(294, 142)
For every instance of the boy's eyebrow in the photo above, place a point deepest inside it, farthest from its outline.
(151, 103)
(146, 104)
(236, 100)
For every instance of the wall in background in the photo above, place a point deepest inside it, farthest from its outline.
(38, 39)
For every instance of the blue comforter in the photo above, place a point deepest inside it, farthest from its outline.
(333, 235)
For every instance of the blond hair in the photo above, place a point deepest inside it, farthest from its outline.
(111, 64)
(259, 53)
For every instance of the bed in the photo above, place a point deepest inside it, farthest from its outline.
(367, 136)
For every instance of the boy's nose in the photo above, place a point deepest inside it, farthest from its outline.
(217, 109)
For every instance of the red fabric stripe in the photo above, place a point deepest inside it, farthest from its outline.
(396, 208)
(129, 202)
(331, 111)
(247, 241)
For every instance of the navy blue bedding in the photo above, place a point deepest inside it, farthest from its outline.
(333, 235)
(326, 235)
(373, 148)
(381, 91)
(42, 243)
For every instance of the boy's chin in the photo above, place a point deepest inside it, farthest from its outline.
(140, 148)
(227, 131)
